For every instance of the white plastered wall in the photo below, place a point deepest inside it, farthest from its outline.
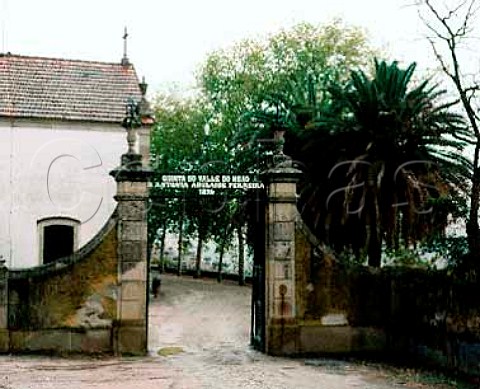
(54, 169)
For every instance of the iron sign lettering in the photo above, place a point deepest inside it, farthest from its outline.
(208, 184)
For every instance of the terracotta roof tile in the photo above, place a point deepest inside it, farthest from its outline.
(34, 87)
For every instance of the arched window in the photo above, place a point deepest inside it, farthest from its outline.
(58, 237)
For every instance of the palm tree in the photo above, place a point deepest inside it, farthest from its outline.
(387, 162)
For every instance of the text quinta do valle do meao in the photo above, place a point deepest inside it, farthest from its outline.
(206, 184)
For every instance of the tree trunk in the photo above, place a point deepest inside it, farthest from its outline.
(162, 246)
(180, 243)
(241, 256)
(374, 249)
(473, 230)
(220, 261)
(198, 259)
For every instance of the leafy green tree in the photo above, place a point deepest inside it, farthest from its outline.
(252, 74)
(247, 91)
(241, 82)
(259, 85)
(181, 143)
(390, 169)
(176, 146)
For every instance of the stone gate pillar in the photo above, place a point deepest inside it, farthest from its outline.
(132, 311)
(281, 329)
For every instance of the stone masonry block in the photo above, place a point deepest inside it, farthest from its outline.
(282, 212)
(132, 187)
(282, 189)
(3, 316)
(133, 230)
(132, 340)
(133, 290)
(132, 210)
(131, 251)
(284, 287)
(280, 270)
(283, 308)
(283, 231)
(132, 309)
(283, 250)
(326, 339)
(4, 340)
(282, 340)
(93, 341)
(134, 271)
(55, 340)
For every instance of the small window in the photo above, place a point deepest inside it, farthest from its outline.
(58, 238)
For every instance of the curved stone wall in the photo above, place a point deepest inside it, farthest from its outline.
(69, 305)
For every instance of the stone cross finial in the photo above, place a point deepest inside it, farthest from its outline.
(125, 60)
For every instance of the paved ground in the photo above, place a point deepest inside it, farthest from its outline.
(201, 330)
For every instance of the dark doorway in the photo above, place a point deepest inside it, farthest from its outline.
(58, 242)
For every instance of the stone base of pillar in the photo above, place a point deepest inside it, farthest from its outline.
(282, 338)
(4, 340)
(130, 338)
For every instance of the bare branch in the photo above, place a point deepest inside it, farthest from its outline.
(463, 29)
(431, 28)
(473, 88)
(455, 76)
(451, 36)
(454, 11)
(440, 59)
(443, 21)
(471, 93)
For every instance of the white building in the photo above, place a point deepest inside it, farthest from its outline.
(60, 136)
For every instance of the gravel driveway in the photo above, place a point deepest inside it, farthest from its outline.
(199, 335)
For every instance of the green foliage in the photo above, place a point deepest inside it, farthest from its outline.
(241, 90)
(391, 169)
(186, 140)
(453, 249)
(258, 76)
(258, 86)
(378, 151)
(176, 145)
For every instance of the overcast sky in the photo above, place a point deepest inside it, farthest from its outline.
(168, 39)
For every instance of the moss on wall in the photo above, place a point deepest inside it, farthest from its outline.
(53, 299)
(429, 314)
(303, 253)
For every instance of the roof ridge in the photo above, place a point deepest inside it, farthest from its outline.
(37, 57)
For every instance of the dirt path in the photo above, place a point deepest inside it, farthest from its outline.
(202, 330)
(210, 322)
